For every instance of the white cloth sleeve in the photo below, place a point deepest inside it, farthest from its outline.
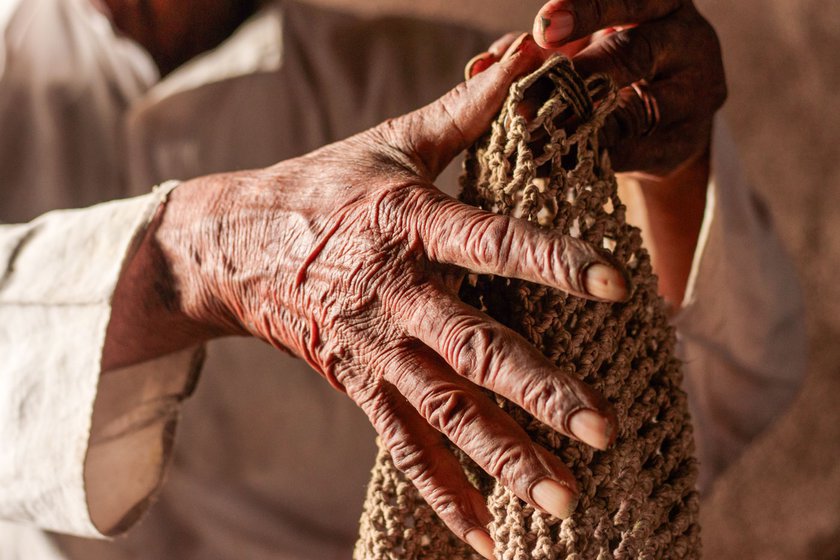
(741, 329)
(57, 277)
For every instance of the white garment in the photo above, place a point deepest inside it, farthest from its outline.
(270, 461)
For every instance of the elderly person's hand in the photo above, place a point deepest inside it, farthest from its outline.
(662, 53)
(350, 258)
(666, 58)
(665, 55)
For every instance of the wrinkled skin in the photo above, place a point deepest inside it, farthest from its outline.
(350, 258)
(670, 46)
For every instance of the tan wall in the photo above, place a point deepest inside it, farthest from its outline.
(782, 500)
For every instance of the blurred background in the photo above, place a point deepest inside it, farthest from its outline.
(782, 498)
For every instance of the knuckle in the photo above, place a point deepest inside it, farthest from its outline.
(570, 256)
(537, 395)
(505, 463)
(469, 344)
(447, 503)
(549, 397)
(615, 47)
(450, 409)
(490, 239)
(628, 120)
(506, 456)
(642, 54)
(705, 48)
(629, 55)
(450, 502)
(414, 460)
(452, 506)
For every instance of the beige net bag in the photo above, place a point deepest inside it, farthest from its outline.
(638, 498)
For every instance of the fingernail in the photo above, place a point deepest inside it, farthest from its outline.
(480, 540)
(591, 428)
(557, 27)
(605, 282)
(524, 55)
(520, 44)
(479, 63)
(555, 498)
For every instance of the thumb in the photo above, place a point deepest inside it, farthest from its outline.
(438, 132)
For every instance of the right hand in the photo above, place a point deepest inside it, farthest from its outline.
(351, 258)
(665, 47)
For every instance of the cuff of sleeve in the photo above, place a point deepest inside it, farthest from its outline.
(55, 301)
(132, 431)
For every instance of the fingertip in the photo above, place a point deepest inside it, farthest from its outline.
(554, 497)
(592, 429)
(481, 541)
(554, 25)
(605, 282)
(478, 64)
(541, 23)
(524, 48)
(450, 124)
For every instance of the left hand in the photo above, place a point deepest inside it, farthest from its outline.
(664, 44)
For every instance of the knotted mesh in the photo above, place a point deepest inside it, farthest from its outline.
(638, 498)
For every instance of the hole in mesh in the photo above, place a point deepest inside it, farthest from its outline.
(546, 215)
(569, 161)
(609, 244)
(518, 209)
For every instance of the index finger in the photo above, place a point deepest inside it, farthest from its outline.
(561, 21)
(485, 243)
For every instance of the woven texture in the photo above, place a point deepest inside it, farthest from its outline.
(638, 498)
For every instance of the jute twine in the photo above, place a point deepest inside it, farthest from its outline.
(638, 498)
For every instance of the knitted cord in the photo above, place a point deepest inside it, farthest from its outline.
(638, 498)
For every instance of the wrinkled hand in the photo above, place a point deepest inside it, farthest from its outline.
(350, 258)
(664, 46)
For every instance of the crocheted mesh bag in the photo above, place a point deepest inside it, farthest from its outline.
(638, 498)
